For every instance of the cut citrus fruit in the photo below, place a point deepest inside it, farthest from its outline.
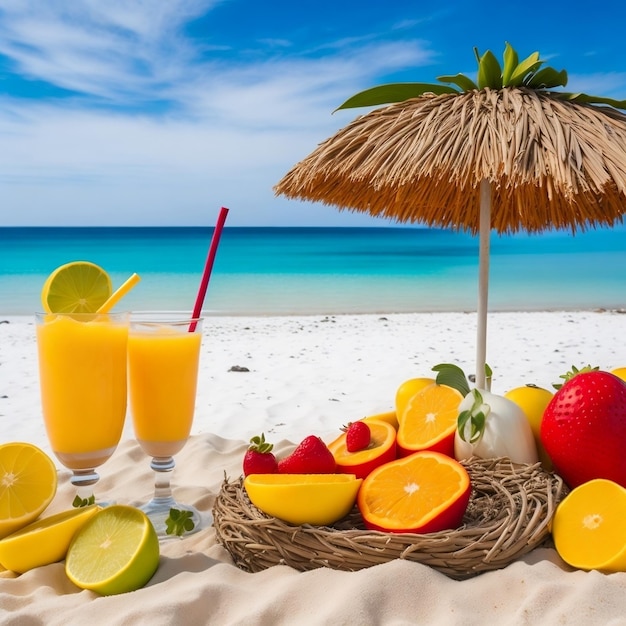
(76, 287)
(533, 401)
(28, 482)
(421, 493)
(382, 449)
(388, 416)
(620, 372)
(407, 390)
(588, 526)
(115, 551)
(44, 541)
(318, 499)
(429, 420)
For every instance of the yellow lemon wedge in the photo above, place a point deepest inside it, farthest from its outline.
(28, 482)
(588, 526)
(115, 551)
(317, 499)
(44, 541)
(76, 287)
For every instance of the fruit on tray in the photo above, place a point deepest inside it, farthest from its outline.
(318, 499)
(76, 287)
(311, 456)
(258, 458)
(533, 401)
(407, 390)
(381, 449)
(588, 526)
(429, 420)
(115, 551)
(358, 436)
(44, 541)
(28, 483)
(421, 493)
(583, 428)
(388, 416)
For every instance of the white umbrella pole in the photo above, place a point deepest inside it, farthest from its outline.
(483, 282)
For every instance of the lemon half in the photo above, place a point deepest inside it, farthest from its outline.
(76, 287)
(28, 482)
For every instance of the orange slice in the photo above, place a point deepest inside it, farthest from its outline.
(588, 527)
(319, 499)
(421, 493)
(408, 389)
(382, 449)
(429, 420)
(28, 483)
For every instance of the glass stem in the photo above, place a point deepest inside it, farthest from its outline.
(162, 467)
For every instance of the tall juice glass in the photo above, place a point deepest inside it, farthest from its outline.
(83, 383)
(163, 358)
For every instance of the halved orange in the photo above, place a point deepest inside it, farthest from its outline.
(408, 389)
(429, 420)
(382, 449)
(588, 526)
(422, 493)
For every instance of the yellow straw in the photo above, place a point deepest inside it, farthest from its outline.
(119, 294)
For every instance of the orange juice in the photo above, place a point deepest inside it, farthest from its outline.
(163, 372)
(82, 371)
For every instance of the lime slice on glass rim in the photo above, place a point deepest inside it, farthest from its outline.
(115, 551)
(76, 287)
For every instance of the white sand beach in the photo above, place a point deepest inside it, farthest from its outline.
(310, 375)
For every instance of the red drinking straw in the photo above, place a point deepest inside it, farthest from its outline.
(208, 266)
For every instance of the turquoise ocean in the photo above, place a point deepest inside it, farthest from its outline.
(279, 271)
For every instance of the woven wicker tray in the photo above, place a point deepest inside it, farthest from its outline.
(508, 515)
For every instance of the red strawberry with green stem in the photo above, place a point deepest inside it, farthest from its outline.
(358, 436)
(259, 458)
(311, 456)
(583, 428)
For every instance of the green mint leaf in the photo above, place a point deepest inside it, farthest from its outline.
(79, 502)
(179, 522)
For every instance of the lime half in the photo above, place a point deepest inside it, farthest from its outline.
(116, 551)
(76, 287)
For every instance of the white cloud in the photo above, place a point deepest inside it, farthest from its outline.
(233, 130)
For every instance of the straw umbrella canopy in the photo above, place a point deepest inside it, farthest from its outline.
(506, 154)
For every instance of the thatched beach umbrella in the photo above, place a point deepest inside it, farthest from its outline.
(506, 153)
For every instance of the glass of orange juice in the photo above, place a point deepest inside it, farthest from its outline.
(163, 358)
(83, 383)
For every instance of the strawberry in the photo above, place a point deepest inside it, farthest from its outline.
(358, 436)
(583, 428)
(259, 458)
(311, 456)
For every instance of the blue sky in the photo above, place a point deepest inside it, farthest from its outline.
(158, 112)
